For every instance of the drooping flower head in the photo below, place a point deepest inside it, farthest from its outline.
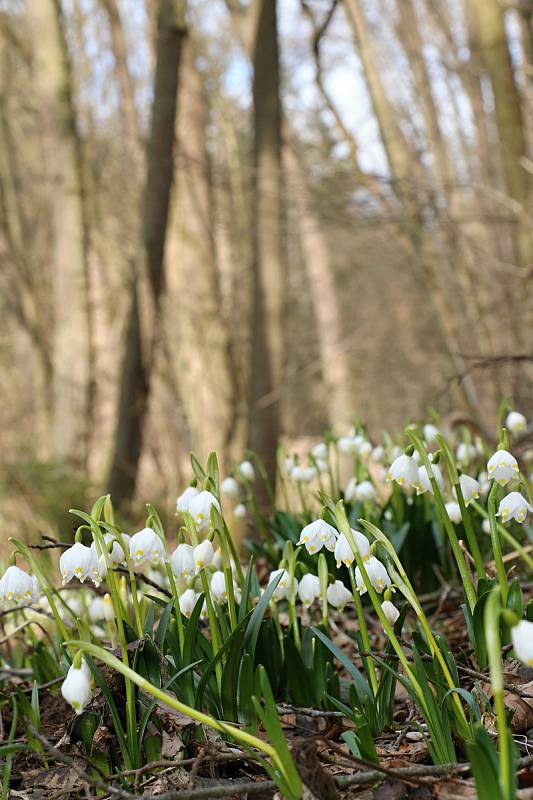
(284, 589)
(338, 595)
(522, 637)
(469, 487)
(18, 587)
(403, 470)
(81, 562)
(203, 555)
(318, 534)
(200, 508)
(146, 547)
(515, 422)
(344, 553)
(377, 574)
(182, 561)
(76, 688)
(308, 589)
(502, 467)
(513, 506)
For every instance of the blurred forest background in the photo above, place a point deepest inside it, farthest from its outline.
(223, 222)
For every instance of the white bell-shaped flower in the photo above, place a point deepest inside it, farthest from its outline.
(522, 638)
(288, 464)
(344, 553)
(308, 589)
(338, 595)
(377, 573)
(465, 453)
(18, 587)
(318, 534)
(203, 555)
(484, 483)
(303, 474)
(485, 526)
(229, 487)
(187, 602)
(218, 587)
(423, 484)
(80, 562)
(284, 589)
(350, 491)
(430, 433)
(109, 611)
(76, 688)
(515, 422)
(320, 451)
(403, 470)
(513, 506)
(365, 492)
(239, 511)
(200, 508)
(182, 561)
(378, 454)
(246, 470)
(117, 555)
(96, 610)
(364, 450)
(146, 547)
(502, 467)
(453, 510)
(390, 611)
(348, 445)
(469, 488)
(183, 501)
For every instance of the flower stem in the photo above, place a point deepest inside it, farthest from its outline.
(364, 632)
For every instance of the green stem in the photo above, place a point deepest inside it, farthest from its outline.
(496, 544)
(213, 625)
(470, 535)
(364, 632)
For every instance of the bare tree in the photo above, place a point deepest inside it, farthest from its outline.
(268, 243)
(144, 326)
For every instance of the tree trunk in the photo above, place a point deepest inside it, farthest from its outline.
(489, 39)
(72, 346)
(199, 339)
(144, 323)
(268, 244)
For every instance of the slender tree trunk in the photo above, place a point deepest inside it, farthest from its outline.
(144, 324)
(489, 39)
(73, 354)
(334, 363)
(200, 341)
(268, 243)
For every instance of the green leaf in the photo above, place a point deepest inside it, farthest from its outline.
(252, 631)
(364, 691)
(484, 764)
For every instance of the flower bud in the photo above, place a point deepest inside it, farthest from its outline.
(203, 555)
(76, 688)
(390, 611)
(338, 595)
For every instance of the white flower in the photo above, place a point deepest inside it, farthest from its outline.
(288, 464)
(454, 512)
(203, 555)
(308, 589)
(217, 561)
(430, 433)
(200, 508)
(377, 574)
(348, 445)
(146, 547)
(364, 450)
(515, 422)
(81, 562)
(349, 492)
(187, 602)
(344, 553)
(465, 453)
(522, 636)
(239, 511)
(283, 589)
(318, 534)
(246, 469)
(485, 526)
(403, 470)
(365, 492)
(96, 609)
(229, 487)
(513, 506)
(338, 595)
(218, 587)
(469, 488)
(16, 585)
(322, 466)
(117, 554)
(320, 451)
(182, 561)
(390, 611)
(303, 474)
(502, 467)
(76, 688)
(183, 501)
(423, 484)
(378, 454)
